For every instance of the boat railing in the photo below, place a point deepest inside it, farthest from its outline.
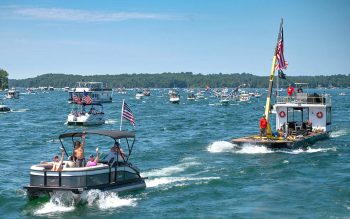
(305, 98)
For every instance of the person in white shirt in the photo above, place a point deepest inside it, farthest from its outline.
(115, 152)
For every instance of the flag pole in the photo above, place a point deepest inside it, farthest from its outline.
(121, 116)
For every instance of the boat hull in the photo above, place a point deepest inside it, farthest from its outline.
(282, 144)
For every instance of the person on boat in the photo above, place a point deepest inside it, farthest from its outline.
(92, 160)
(300, 89)
(57, 164)
(115, 151)
(263, 125)
(290, 90)
(78, 152)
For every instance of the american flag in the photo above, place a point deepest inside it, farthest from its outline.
(76, 99)
(86, 98)
(127, 114)
(281, 62)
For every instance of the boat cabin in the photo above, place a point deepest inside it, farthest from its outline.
(303, 112)
(95, 90)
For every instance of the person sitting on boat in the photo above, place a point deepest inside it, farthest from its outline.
(92, 160)
(263, 125)
(290, 90)
(78, 152)
(300, 89)
(112, 157)
(57, 164)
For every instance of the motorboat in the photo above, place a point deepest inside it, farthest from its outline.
(66, 89)
(139, 95)
(12, 94)
(301, 119)
(95, 90)
(174, 97)
(244, 97)
(115, 175)
(4, 108)
(199, 95)
(94, 116)
(146, 92)
(191, 96)
(342, 94)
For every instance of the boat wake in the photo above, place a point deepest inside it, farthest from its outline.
(167, 177)
(224, 146)
(64, 201)
(59, 202)
(20, 110)
(338, 133)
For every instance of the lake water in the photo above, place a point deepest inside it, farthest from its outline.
(193, 171)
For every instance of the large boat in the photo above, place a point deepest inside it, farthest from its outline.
(117, 175)
(301, 119)
(95, 90)
(94, 116)
(12, 94)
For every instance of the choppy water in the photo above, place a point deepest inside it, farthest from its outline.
(193, 170)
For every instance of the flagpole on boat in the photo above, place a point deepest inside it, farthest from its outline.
(272, 75)
(121, 116)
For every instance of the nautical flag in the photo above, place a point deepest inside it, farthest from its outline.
(127, 114)
(76, 99)
(86, 98)
(281, 74)
(281, 62)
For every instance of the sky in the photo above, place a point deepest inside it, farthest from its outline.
(154, 36)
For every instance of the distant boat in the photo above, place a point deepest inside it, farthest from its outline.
(174, 97)
(244, 97)
(146, 92)
(12, 94)
(95, 115)
(95, 90)
(139, 95)
(66, 89)
(342, 94)
(191, 96)
(4, 108)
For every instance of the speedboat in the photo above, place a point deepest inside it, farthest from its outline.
(95, 90)
(12, 94)
(244, 97)
(174, 97)
(139, 95)
(4, 108)
(146, 92)
(95, 115)
(191, 96)
(117, 175)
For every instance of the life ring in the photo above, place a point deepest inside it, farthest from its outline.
(319, 115)
(282, 114)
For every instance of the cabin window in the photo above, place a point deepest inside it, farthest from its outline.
(328, 115)
(297, 114)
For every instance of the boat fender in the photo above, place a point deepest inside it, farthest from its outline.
(319, 115)
(282, 114)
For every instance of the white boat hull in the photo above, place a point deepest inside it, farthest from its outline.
(85, 119)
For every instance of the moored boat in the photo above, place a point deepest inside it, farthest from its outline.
(116, 174)
(12, 94)
(95, 90)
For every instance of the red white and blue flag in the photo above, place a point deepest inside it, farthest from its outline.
(127, 114)
(76, 99)
(281, 62)
(86, 98)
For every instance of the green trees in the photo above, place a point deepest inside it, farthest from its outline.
(182, 80)
(3, 79)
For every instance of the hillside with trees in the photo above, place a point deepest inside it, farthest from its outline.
(181, 80)
(3, 79)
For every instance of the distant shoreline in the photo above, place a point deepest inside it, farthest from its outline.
(181, 80)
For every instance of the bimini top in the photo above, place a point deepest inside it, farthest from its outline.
(110, 133)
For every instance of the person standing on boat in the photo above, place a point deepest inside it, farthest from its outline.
(78, 152)
(57, 164)
(290, 90)
(263, 125)
(114, 152)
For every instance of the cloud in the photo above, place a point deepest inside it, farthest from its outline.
(62, 14)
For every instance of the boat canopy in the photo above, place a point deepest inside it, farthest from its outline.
(110, 133)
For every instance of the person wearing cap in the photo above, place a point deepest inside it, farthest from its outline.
(92, 160)
(263, 125)
(57, 163)
(115, 152)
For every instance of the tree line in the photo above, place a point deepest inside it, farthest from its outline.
(181, 80)
(3, 79)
